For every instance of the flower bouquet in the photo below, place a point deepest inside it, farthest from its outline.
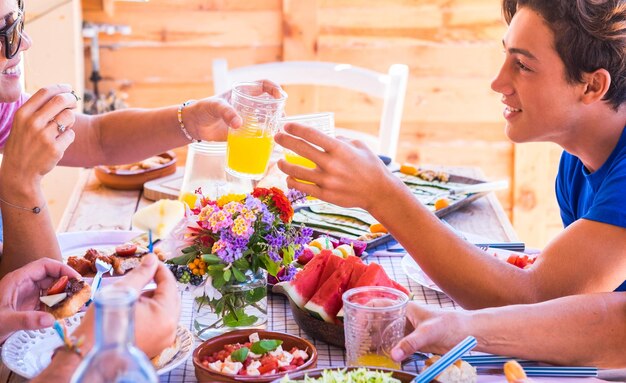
(228, 247)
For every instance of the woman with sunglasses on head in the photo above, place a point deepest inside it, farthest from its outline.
(46, 130)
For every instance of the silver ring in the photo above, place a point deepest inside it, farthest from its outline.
(60, 127)
(75, 95)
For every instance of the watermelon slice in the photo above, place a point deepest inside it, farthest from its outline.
(302, 287)
(401, 288)
(326, 302)
(359, 268)
(333, 264)
(375, 276)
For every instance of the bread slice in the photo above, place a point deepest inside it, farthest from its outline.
(122, 264)
(72, 304)
(166, 355)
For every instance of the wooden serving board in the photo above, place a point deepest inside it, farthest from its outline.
(165, 187)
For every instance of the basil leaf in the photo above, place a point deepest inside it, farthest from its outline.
(265, 345)
(240, 355)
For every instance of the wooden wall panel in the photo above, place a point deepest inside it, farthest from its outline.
(452, 48)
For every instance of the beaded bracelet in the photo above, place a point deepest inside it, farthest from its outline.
(180, 120)
(70, 343)
(34, 210)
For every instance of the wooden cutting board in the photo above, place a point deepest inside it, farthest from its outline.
(165, 187)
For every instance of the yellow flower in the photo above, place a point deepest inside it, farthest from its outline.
(223, 200)
(240, 226)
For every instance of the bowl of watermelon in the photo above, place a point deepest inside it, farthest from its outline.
(315, 293)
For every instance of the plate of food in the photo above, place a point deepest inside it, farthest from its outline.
(339, 222)
(133, 176)
(350, 374)
(266, 355)
(415, 272)
(122, 249)
(27, 353)
(441, 192)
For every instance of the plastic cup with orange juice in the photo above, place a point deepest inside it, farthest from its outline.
(374, 320)
(324, 122)
(249, 147)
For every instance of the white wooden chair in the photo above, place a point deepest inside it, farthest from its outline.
(390, 86)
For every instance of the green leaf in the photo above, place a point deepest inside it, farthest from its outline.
(271, 266)
(239, 276)
(241, 264)
(218, 267)
(189, 249)
(227, 274)
(240, 355)
(265, 345)
(219, 306)
(183, 259)
(239, 318)
(211, 259)
(256, 295)
(218, 281)
(288, 255)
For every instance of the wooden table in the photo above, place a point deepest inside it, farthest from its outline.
(95, 207)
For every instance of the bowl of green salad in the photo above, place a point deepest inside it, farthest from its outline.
(348, 374)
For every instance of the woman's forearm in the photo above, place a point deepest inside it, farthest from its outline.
(123, 136)
(27, 236)
(585, 330)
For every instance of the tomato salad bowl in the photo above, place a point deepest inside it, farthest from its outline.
(252, 356)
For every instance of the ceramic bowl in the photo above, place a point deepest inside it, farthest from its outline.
(402, 376)
(120, 179)
(330, 333)
(204, 374)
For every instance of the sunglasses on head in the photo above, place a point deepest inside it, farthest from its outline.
(11, 34)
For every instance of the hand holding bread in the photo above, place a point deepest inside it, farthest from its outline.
(20, 291)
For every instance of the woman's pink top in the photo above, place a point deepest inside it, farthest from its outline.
(7, 111)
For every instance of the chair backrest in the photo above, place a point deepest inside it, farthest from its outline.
(390, 86)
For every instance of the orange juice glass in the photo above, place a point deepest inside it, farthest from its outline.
(249, 147)
(324, 122)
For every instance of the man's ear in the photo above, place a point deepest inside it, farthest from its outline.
(595, 85)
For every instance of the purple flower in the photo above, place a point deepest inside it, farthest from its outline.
(261, 209)
(290, 272)
(277, 240)
(294, 196)
(274, 256)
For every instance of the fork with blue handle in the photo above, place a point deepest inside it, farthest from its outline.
(488, 363)
(101, 268)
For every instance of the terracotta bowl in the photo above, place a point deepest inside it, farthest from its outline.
(330, 333)
(120, 179)
(204, 374)
(402, 376)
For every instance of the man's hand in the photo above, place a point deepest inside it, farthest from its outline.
(156, 312)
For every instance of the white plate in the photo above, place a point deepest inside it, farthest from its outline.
(413, 271)
(27, 353)
(78, 242)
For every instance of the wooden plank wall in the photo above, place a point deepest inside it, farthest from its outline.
(55, 58)
(452, 47)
